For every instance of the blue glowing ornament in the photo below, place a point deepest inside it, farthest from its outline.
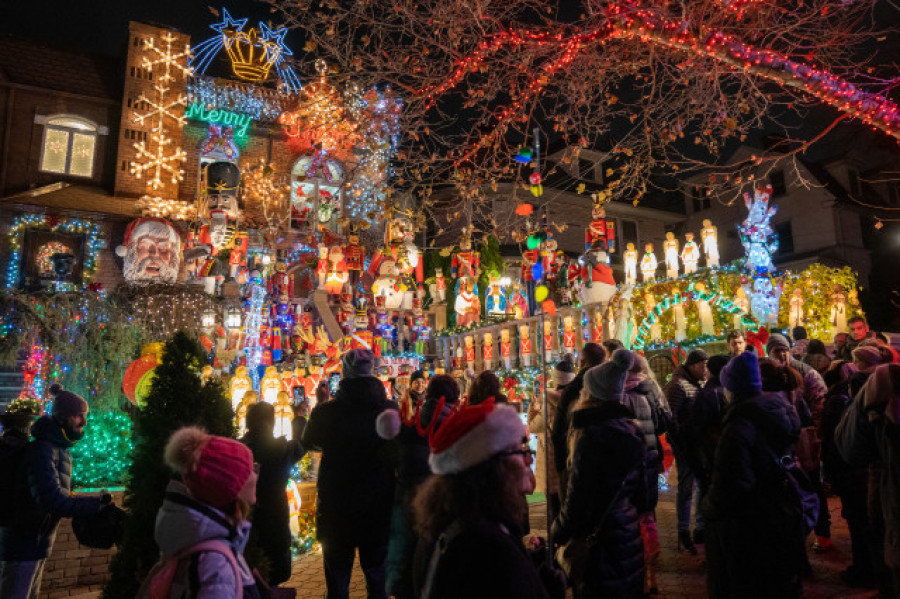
(537, 271)
(524, 156)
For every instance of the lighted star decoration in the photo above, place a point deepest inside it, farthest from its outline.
(158, 159)
(253, 52)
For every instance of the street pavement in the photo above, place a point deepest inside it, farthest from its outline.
(681, 576)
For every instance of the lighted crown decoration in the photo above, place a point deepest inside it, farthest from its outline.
(253, 53)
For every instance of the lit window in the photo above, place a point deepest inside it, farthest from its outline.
(69, 146)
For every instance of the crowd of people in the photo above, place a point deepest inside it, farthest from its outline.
(430, 490)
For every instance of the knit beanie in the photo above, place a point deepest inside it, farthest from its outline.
(565, 370)
(416, 375)
(66, 403)
(214, 469)
(776, 340)
(474, 434)
(357, 363)
(741, 374)
(607, 380)
(868, 355)
(696, 356)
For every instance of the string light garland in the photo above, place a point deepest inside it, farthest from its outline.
(21, 224)
(257, 102)
(103, 456)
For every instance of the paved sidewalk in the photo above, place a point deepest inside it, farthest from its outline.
(681, 576)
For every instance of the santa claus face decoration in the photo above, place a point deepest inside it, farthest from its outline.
(152, 252)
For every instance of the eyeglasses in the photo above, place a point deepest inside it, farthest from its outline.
(525, 452)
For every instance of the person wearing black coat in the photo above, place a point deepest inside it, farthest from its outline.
(356, 475)
(753, 548)
(606, 485)
(43, 489)
(271, 517)
(705, 421)
(592, 354)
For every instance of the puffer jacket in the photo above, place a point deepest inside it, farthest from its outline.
(44, 495)
(183, 521)
(608, 447)
(680, 392)
(356, 475)
(643, 397)
(746, 532)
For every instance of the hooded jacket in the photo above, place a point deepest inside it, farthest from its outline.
(680, 393)
(183, 521)
(643, 397)
(45, 495)
(746, 532)
(607, 447)
(356, 475)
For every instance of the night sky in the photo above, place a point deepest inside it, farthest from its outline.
(101, 26)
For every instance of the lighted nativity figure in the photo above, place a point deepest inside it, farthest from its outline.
(838, 311)
(670, 252)
(795, 313)
(707, 325)
(649, 264)
(630, 257)
(690, 254)
(710, 237)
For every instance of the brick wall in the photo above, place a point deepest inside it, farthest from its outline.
(72, 569)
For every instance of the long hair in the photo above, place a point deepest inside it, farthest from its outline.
(490, 491)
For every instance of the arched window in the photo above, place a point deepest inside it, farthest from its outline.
(69, 145)
(316, 183)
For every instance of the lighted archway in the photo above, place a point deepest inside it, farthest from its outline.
(715, 299)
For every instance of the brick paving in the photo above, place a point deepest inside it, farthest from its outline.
(681, 575)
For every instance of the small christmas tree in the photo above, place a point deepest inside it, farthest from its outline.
(177, 398)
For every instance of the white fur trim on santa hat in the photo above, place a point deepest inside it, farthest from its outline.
(502, 428)
(387, 424)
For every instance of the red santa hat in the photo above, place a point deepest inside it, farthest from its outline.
(474, 434)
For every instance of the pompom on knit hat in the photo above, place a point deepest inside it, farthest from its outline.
(357, 363)
(607, 380)
(776, 340)
(213, 468)
(65, 403)
(741, 374)
(474, 434)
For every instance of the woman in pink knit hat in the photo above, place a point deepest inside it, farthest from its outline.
(208, 506)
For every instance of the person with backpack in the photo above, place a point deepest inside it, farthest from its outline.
(869, 435)
(754, 540)
(271, 518)
(42, 496)
(686, 382)
(202, 526)
(850, 483)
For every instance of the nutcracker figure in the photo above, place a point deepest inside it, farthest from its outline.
(470, 352)
(525, 345)
(487, 352)
(569, 340)
(383, 328)
(710, 237)
(466, 263)
(670, 252)
(355, 256)
(362, 336)
(420, 327)
(649, 264)
(549, 335)
(505, 347)
(597, 326)
(280, 283)
(384, 375)
(438, 289)
(322, 266)
(529, 259)
(690, 254)
(600, 229)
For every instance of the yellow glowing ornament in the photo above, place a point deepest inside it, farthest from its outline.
(541, 293)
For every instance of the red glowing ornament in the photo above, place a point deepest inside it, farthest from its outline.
(524, 209)
(535, 178)
(549, 307)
